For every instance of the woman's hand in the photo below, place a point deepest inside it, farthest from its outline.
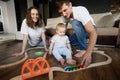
(17, 54)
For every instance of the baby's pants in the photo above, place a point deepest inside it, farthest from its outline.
(58, 52)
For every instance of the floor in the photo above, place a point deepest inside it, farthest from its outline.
(105, 72)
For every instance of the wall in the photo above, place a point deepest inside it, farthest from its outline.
(29, 3)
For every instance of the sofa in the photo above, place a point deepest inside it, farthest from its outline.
(105, 27)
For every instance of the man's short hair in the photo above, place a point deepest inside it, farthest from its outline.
(59, 3)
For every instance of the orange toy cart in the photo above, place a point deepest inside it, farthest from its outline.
(35, 67)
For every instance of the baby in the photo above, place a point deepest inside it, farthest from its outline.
(60, 45)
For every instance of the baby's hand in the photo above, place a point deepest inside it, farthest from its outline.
(50, 53)
(71, 52)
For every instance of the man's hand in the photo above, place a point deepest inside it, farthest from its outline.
(86, 59)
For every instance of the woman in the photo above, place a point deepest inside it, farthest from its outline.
(33, 30)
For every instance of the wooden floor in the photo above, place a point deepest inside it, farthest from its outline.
(105, 72)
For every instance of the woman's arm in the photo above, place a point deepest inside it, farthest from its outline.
(44, 40)
(51, 47)
(25, 38)
(24, 43)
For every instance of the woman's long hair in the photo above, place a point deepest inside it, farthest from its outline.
(29, 20)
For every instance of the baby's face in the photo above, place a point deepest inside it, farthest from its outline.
(61, 31)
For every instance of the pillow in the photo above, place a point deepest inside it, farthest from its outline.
(103, 19)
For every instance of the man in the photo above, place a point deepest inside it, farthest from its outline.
(84, 28)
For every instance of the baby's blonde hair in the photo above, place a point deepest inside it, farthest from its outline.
(60, 25)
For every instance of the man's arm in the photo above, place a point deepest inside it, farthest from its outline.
(92, 41)
(93, 36)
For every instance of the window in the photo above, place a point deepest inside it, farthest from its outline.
(1, 21)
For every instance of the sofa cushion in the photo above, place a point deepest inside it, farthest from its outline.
(52, 22)
(103, 21)
(100, 19)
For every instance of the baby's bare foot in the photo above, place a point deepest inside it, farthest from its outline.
(71, 61)
(62, 61)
